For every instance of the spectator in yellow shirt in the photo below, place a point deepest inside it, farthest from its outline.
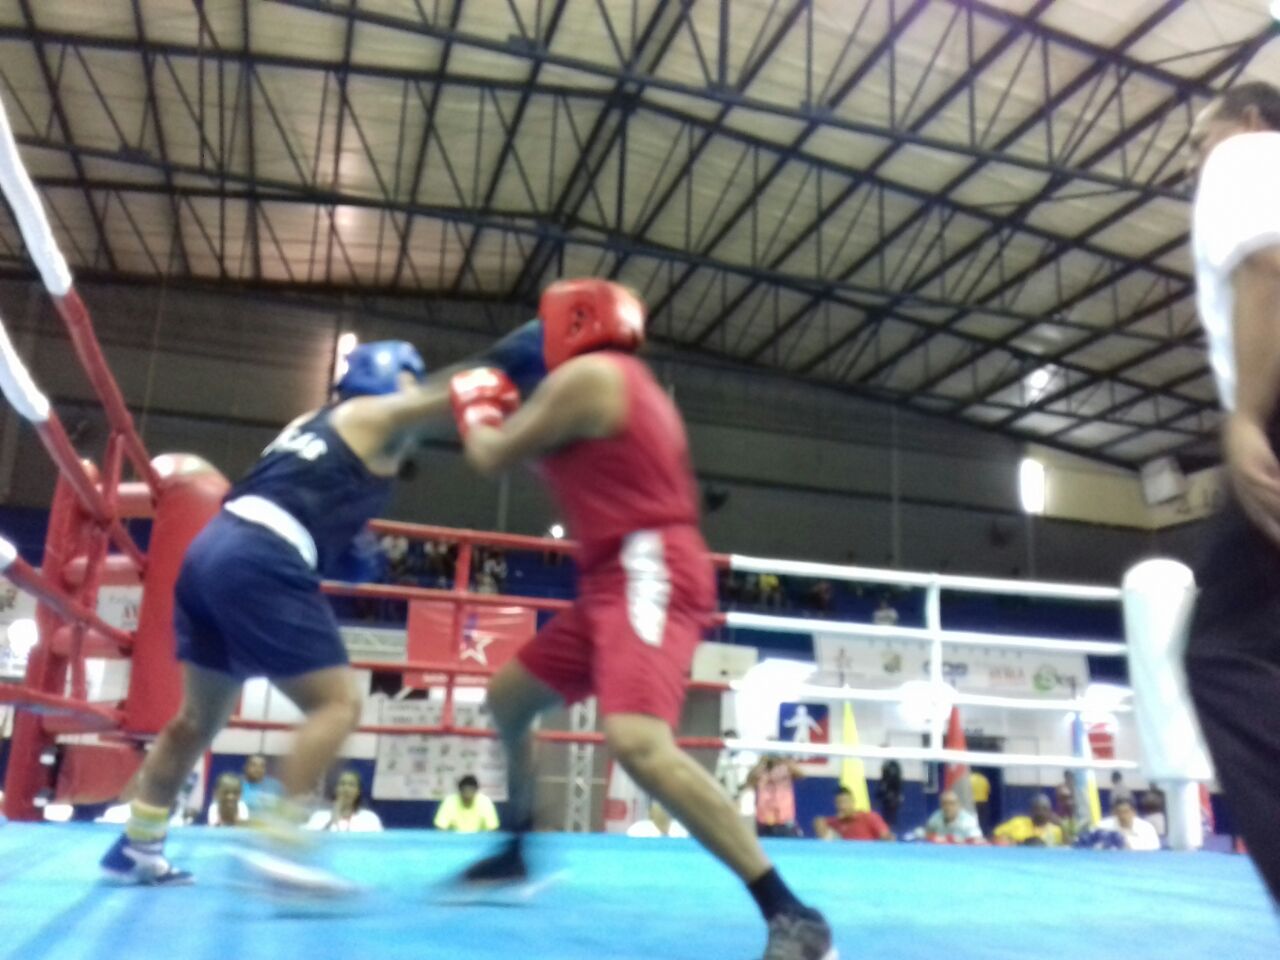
(1036, 830)
(468, 810)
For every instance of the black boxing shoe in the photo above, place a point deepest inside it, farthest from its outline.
(507, 867)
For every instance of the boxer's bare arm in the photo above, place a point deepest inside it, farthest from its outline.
(379, 429)
(585, 398)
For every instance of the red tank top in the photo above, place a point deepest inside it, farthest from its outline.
(638, 479)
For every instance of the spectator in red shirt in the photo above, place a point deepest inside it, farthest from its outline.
(851, 824)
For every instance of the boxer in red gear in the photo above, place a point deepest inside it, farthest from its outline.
(612, 448)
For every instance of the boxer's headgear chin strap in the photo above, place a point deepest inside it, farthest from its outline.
(373, 369)
(589, 314)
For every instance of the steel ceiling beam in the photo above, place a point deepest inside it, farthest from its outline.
(962, 83)
(730, 98)
(60, 115)
(885, 44)
(509, 141)
(1041, 115)
(1238, 56)
(600, 140)
(442, 78)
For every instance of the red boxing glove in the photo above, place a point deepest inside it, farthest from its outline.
(482, 397)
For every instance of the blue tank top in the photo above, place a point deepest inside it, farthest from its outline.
(311, 472)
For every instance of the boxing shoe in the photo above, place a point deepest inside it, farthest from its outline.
(800, 935)
(505, 868)
(133, 862)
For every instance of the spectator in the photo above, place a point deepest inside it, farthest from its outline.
(733, 772)
(749, 593)
(851, 824)
(773, 781)
(1151, 806)
(396, 550)
(952, 823)
(820, 597)
(885, 615)
(981, 788)
(227, 809)
(347, 815)
(1034, 830)
(659, 824)
(770, 588)
(889, 792)
(493, 572)
(1065, 813)
(1134, 832)
(468, 810)
(256, 784)
(1118, 789)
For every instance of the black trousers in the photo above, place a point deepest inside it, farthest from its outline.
(1233, 669)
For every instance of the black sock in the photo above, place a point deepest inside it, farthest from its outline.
(772, 895)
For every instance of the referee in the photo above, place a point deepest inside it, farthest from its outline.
(1233, 654)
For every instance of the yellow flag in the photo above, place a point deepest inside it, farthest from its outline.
(853, 775)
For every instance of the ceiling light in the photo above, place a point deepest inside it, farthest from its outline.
(557, 531)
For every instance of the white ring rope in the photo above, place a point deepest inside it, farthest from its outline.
(947, 697)
(25, 202)
(832, 571)
(926, 754)
(16, 382)
(870, 631)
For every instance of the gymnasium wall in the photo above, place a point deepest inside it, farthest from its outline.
(803, 471)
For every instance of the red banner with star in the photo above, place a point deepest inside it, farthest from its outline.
(489, 637)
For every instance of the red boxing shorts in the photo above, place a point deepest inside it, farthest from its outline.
(631, 634)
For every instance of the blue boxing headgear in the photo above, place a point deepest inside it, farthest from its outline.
(373, 369)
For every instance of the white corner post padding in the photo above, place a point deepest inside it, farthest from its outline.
(16, 383)
(26, 206)
(1159, 596)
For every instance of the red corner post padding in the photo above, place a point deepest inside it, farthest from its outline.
(190, 494)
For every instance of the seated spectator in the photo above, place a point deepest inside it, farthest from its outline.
(821, 597)
(659, 824)
(851, 824)
(256, 784)
(770, 588)
(885, 615)
(773, 781)
(1034, 830)
(468, 810)
(1065, 814)
(1125, 830)
(492, 572)
(952, 823)
(1151, 807)
(227, 809)
(347, 815)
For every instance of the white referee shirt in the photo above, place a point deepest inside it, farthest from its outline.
(1237, 213)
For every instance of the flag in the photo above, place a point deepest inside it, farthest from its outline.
(956, 777)
(1088, 801)
(853, 774)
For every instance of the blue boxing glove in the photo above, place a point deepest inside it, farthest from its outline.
(519, 355)
(362, 562)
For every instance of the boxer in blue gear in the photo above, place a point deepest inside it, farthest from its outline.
(248, 600)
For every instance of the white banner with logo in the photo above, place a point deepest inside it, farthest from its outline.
(417, 767)
(887, 663)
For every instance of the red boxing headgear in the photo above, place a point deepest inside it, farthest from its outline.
(588, 314)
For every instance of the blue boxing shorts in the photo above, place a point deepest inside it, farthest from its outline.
(248, 605)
